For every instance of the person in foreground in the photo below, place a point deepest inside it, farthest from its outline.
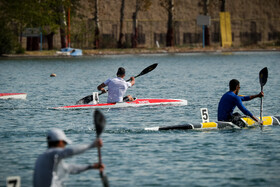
(51, 170)
(230, 100)
(117, 87)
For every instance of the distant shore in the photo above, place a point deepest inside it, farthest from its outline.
(98, 52)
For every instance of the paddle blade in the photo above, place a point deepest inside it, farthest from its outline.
(99, 122)
(145, 71)
(85, 100)
(148, 69)
(104, 179)
(263, 76)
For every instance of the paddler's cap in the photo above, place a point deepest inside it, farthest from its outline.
(57, 135)
(121, 71)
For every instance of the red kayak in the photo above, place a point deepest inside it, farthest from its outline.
(13, 95)
(135, 103)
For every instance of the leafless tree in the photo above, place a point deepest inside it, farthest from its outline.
(141, 5)
(97, 27)
(121, 37)
(169, 7)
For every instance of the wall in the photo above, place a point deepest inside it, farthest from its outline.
(252, 22)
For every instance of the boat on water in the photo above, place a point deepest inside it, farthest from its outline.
(70, 52)
(135, 103)
(13, 95)
(267, 121)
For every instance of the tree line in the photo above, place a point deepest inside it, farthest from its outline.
(50, 16)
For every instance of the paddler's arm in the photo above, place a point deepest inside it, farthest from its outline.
(78, 149)
(132, 81)
(75, 169)
(241, 107)
(101, 88)
(261, 94)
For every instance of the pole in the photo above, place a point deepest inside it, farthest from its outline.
(203, 35)
(41, 41)
(68, 29)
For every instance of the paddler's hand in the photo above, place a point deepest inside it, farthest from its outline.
(261, 94)
(98, 142)
(132, 78)
(101, 167)
(132, 81)
(103, 90)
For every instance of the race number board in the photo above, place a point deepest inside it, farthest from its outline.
(204, 115)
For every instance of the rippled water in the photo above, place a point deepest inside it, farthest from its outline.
(133, 156)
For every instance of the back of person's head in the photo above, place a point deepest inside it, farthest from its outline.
(121, 71)
(232, 84)
(55, 135)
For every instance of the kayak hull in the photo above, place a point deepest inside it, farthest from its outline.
(135, 103)
(13, 95)
(267, 121)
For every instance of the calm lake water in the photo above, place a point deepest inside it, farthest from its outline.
(133, 156)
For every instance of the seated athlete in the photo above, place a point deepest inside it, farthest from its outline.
(230, 100)
(117, 87)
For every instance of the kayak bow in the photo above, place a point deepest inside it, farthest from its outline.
(13, 95)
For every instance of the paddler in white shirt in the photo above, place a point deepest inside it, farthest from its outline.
(117, 87)
(51, 170)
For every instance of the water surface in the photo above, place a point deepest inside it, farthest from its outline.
(133, 156)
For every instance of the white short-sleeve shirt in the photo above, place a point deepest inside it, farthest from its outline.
(116, 89)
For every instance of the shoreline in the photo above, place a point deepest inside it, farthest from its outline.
(131, 51)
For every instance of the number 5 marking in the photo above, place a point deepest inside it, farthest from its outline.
(13, 181)
(204, 115)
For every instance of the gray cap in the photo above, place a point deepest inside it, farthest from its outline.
(57, 135)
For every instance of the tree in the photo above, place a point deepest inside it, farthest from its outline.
(96, 28)
(19, 15)
(141, 5)
(48, 15)
(7, 43)
(54, 14)
(168, 5)
(121, 37)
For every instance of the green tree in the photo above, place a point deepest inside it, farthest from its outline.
(7, 39)
(49, 15)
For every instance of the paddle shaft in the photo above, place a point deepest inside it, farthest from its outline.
(99, 121)
(103, 177)
(100, 162)
(261, 109)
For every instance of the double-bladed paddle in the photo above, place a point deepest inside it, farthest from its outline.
(89, 98)
(263, 79)
(99, 123)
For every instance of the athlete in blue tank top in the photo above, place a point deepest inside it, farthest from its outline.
(231, 99)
